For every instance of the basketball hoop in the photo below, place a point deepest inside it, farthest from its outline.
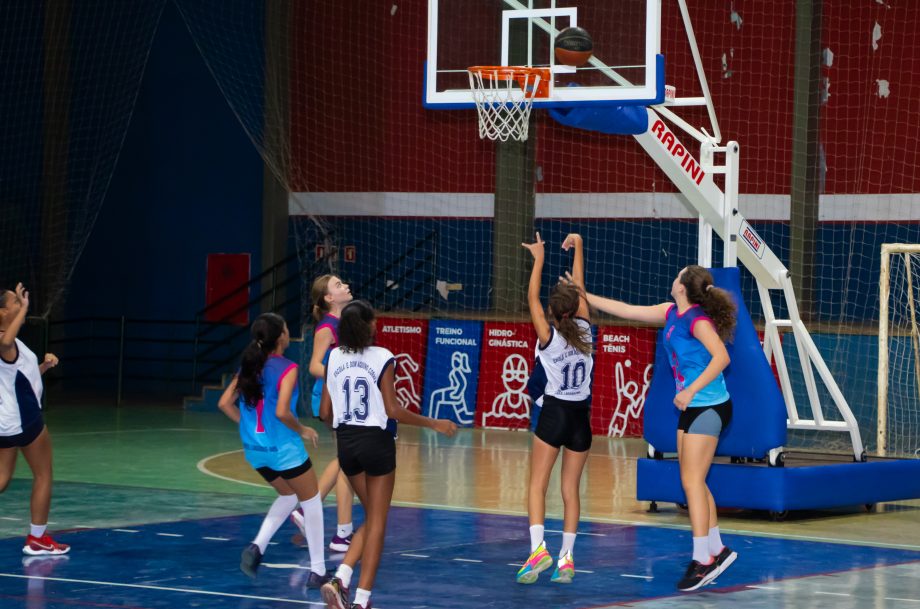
(504, 96)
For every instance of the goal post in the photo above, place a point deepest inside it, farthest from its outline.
(898, 351)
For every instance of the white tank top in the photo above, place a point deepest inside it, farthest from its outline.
(568, 370)
(353, 381)
(20, 391)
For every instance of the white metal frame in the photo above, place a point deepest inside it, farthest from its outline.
(889, 249)
(718, 212)
(623, 90)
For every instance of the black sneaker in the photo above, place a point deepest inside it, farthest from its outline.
(698, 575)
(335, 594)
(250, 560)
(315, 581)
(357, 606)
(725, 558)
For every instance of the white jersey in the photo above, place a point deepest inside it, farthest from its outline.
(20, 391)
(353, 381)
(568, 370)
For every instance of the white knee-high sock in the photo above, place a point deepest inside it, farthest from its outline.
(277, 514)
(313, 531)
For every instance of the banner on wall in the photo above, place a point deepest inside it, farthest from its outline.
(622, 373)
(407, 339)
(451, 371)
(506, 363)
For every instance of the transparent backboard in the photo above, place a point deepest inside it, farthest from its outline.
(626, 66)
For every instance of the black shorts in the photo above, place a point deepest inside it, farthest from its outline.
(368, 450)
(29, 434)
(564, 423)
(706, 420)
(271, 475)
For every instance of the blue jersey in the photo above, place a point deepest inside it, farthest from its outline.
(267, 442)
(331, 322)
(689, 357)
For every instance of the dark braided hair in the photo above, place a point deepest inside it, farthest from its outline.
(265, 332)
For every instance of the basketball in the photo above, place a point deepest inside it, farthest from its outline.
(574, 46)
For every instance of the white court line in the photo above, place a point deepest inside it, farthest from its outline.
(905, 600)
(416, 555)
(648, 577)
(204, 470)
(276, 565)
(466, 560)
(583, 571)
(764, 587)
(161, 588)
(125, 531)
(580, 533)
(216, 538)
(831, 593)
(10, 518)
(170, 535)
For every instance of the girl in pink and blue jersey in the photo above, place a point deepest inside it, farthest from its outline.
(329, 294)
(696, 326)
(262, 399)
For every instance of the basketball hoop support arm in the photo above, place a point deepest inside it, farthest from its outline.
(718, 211)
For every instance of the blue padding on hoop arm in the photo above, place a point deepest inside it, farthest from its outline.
(759, 412)
(614, 120)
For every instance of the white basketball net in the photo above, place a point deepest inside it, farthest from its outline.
(504, 97)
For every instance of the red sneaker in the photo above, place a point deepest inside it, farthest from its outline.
(44, 546)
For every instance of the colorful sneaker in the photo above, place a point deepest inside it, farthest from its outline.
(44, 546)
(250, 560)
(315, 581)
(538, 562)
(565, 570)
(698, 575)
(724, 559)
(340, 544)
(335, 594)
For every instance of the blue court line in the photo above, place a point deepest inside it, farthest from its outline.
(468, 564)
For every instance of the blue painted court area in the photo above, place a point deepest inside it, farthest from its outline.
(433, 559)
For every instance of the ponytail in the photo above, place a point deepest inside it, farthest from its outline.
(715, 302)
(265, 332)
(564, 300)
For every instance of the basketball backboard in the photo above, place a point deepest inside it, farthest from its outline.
(626, 67)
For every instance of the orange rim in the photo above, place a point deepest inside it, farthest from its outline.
(523, 75)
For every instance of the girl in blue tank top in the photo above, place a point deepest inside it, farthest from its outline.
(696, 326)
(329, 295)
(262, 400)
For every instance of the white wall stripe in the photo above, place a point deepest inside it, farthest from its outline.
(833, 208)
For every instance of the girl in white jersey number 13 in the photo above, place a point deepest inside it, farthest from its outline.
(358, 396)
(564, 350)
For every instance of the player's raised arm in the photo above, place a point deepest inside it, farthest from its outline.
(537, 316)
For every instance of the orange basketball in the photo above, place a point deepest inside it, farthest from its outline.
(574, 46)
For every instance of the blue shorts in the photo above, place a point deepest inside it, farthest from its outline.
(706, 420)
(29, 434)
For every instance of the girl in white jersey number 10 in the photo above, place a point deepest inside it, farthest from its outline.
(564, 349)
(22, 427)
(359, 395)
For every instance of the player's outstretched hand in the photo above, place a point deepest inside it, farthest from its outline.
(23, 296)
(571, 240)
(310, 434)
(445, 427)
(535, 248)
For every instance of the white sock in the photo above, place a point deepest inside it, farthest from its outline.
(344, 573)
(345, 530)
(715, 541)
(536, 537)
(277, 514)
(37, 530)
(313, 531)
(362, 597)
(568, 544)
(701, 550)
